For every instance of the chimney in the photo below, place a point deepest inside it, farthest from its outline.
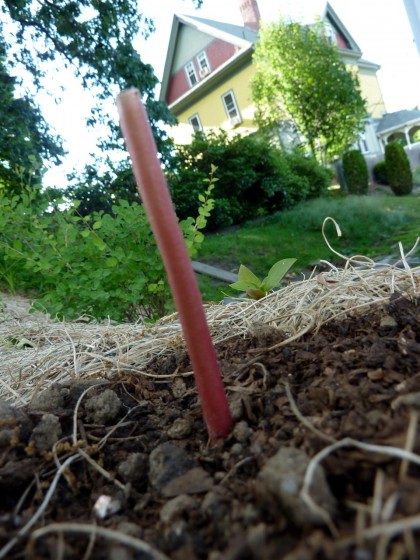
(250, 14)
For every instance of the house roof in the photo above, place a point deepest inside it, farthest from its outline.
(240, 36)
(243, 33)
(244, 38)
(393, 121)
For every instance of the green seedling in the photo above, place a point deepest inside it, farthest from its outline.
(254, 287)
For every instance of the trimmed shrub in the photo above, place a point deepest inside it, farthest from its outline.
(355, 172)
(379, 173)
(398, 169)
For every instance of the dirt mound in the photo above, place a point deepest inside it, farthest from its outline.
(322, 463)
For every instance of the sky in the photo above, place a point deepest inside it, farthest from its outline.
(380, 28)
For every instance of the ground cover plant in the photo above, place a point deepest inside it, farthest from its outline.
(103, 265)
(371, 225)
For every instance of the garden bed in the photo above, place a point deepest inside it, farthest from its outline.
(104, 453)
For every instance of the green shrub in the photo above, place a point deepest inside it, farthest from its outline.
(355, 172)
(379, 173)
(255, 177)
(317, 178)
(102, 265)
(398, 169)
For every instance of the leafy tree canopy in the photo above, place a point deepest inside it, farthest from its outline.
(25, 138)
(301, 79)
(92, 37)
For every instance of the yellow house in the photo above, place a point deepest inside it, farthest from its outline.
(209, 66)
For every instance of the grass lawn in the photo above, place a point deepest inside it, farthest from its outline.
(371, 225)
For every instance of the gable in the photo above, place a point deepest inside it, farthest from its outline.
(189, 43)
(340, 34)
(192, 40)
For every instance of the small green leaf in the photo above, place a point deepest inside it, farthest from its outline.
(85, 233)
(276, 273)
(246, 275)
(97, 225)
(240, 286)
(99, 243)
(111, 262)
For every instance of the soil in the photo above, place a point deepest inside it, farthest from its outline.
(125, 470)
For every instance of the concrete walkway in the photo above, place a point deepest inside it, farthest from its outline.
(224, 275)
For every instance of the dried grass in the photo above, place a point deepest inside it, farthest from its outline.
(36, 351)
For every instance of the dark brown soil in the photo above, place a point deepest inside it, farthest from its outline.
(140, 447)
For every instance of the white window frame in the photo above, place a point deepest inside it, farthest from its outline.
(191, 72)
(203, 64)
(231, 108)
(195, 117)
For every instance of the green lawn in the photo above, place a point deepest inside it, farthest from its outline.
(371, 225)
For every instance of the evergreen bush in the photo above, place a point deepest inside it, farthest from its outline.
(379, 173)
(398, 169)
(355, 172)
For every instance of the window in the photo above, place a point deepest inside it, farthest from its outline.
(195, 122)
(203, 64)
(191, 74)
(362, 145)
(231, 108)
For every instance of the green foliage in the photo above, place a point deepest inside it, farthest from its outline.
(255, 177)
(380, 174)
(398, 169)
(355, 172)
(98, 190)
(256, 288)
(95, 39)
(101, 265)
(301, 79)
(25, 138)
(371, 226)
(191, 227)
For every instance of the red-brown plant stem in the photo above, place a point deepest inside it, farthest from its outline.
(157, 202)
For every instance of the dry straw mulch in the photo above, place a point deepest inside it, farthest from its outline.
(36, 351)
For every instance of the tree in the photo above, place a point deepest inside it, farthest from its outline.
(25, 138)
(301, 79)
(95, 39)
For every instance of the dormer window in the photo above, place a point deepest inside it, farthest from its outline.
(203, 64)
(191, 74)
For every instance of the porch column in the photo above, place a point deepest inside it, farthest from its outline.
(407, 136)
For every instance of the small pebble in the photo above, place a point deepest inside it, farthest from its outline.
(282, 477)
(134, 467)
(242, 432)
(177, 507)
(180, 428)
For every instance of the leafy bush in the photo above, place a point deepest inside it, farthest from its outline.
(255, 177)
(398, 169)
(101, 265)
(314, 177)
(355, 172)
(379, 173)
